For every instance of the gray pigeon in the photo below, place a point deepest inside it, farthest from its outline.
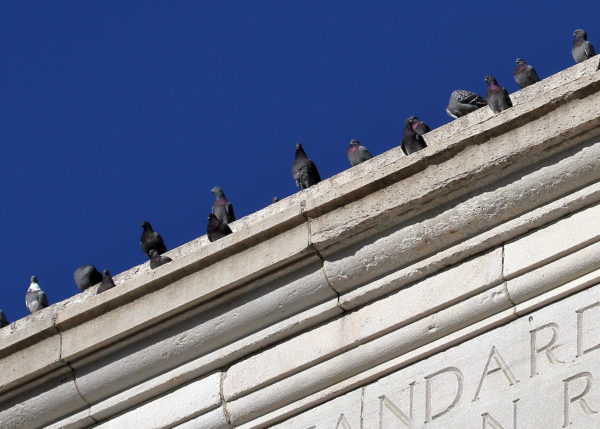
(274, 200)
(3, 319)
(463, 102)
(304, 171)
(157, 260)
(107, 282)
(216, 229)
(357, 153)
(222, 208)
(582, 49)
(86, 276)
(151, 240)
(497, 97)
(524, 74)
(35, 298)
(412, 141)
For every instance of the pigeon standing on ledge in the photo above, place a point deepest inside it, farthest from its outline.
(304, 171)
(524, 74)
(412, 141)
(222, 208)
(151, 240)
(3, 319)
(463, 102)
(157, 260)
(216, 229)
(107, 282)
(86, 276)
(497, 97)
(357, 153)
(35, 299)
(582, 49)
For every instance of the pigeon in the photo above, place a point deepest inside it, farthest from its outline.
(524, 74)
(222, 208)
(107, 282)
(35, 299)
(274, 200)
(216, 228)
(304, 171)
(151, 240)
(463, 102)
(582, 49)
(86, 276)
(157, 260)
(3, 319)
(497, 97)
(357, 153)
(412, 141)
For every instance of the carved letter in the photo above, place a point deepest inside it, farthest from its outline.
(342, 423)
(580, 350)
(568, 400)
(459, 390)
(548, 348)
(407, 420)
(489, 421)
(501, 367)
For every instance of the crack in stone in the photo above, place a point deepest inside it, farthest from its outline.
(223, 402)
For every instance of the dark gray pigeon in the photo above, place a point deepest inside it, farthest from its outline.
(151, 240)
(35, 298)
(86, 276)
(357, 153)
(107, 282)
(157, 260)
(497, 97)
(222, 208)
(412, 141)
(463, 102)
(216, 229)
(582, 49)
(304, 171)
(274, 200)
(3, 319)
(524, 74)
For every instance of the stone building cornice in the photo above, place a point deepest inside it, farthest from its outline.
(336, 285)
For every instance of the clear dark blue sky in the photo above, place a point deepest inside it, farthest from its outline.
(116, 112)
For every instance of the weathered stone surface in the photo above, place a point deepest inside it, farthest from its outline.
(214, 419)
(553, 241)
(197, 397)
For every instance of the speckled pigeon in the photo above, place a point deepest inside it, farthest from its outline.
(357, 153)
(216, 229)
(304, 171)
(582, 49)
(3, 319)
(497, 97)
(222, 208)
(157, 260)
(463, 102)
(86, 276)
(524, 74)
(412, 141)
(35, 298)
(107, 282)
(151, 240)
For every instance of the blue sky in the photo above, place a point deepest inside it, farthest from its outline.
(116, 112)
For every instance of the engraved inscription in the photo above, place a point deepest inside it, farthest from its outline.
(568, 400)
(490, 422)
(502, 366)
(342, 423)
(580, 328)
(385, 403)
(549, 348)
(428, 388)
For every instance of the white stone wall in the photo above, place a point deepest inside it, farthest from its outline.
(454, 288)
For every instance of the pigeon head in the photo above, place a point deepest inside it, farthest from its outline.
(520, 61)
(409, 121)
(153, 253)
(34, 279)
(491, 80)
(354, 142)
(579, 34)
(146, 226)
(216, 190)
(106, 273)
